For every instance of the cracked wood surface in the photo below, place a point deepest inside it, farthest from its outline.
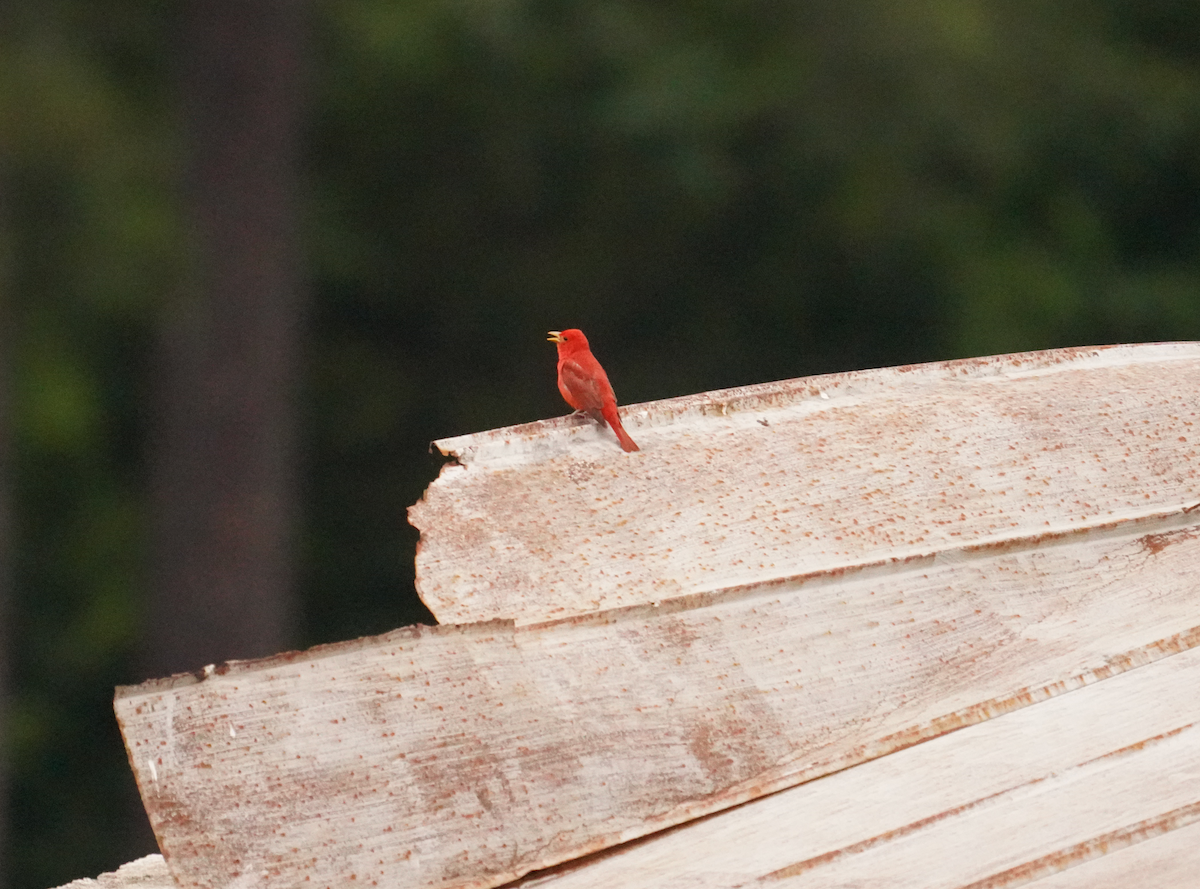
(471, 755)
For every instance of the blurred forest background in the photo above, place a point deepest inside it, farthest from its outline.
(256, 254)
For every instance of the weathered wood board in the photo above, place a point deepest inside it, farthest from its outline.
(1171, 861)
(149, 872)
(752, 484)
(784, 585)
(1103, 782)
(468, 756)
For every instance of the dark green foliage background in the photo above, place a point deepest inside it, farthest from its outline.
(718, 192)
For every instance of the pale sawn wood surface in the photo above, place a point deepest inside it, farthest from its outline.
(1103, 781)
(1000, 532)
(149, 872)
(467, 756)
(552, 519)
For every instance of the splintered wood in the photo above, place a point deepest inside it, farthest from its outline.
(788, 580)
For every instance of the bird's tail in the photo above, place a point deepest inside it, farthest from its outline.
(614, 420)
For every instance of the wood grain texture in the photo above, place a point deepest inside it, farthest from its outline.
(468, 756)
(149, 872)
(1099, 788)
(1171, 861)
(752, 484)
(779, 586)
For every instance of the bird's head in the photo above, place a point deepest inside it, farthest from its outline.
(568, 339)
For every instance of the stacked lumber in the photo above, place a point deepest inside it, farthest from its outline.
(922, 626)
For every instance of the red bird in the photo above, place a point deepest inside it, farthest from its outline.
(584, 384)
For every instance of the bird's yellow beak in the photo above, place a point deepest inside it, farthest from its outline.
(555, 337)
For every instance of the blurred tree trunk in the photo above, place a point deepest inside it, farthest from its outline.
(7, 527)
(224, 457)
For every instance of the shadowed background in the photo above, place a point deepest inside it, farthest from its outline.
(256, 254)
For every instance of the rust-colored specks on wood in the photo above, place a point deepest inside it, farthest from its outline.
(1009, 800)
(468, 756)
(739, 608)
(546, 520)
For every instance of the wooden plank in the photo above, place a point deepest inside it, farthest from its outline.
(468, 756)
(1104, 781)
(1171, 860)
(144, 873)
(747, 485)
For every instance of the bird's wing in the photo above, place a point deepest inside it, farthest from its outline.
(588, 388)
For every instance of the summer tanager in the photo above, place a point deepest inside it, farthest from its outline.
(584, 384)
